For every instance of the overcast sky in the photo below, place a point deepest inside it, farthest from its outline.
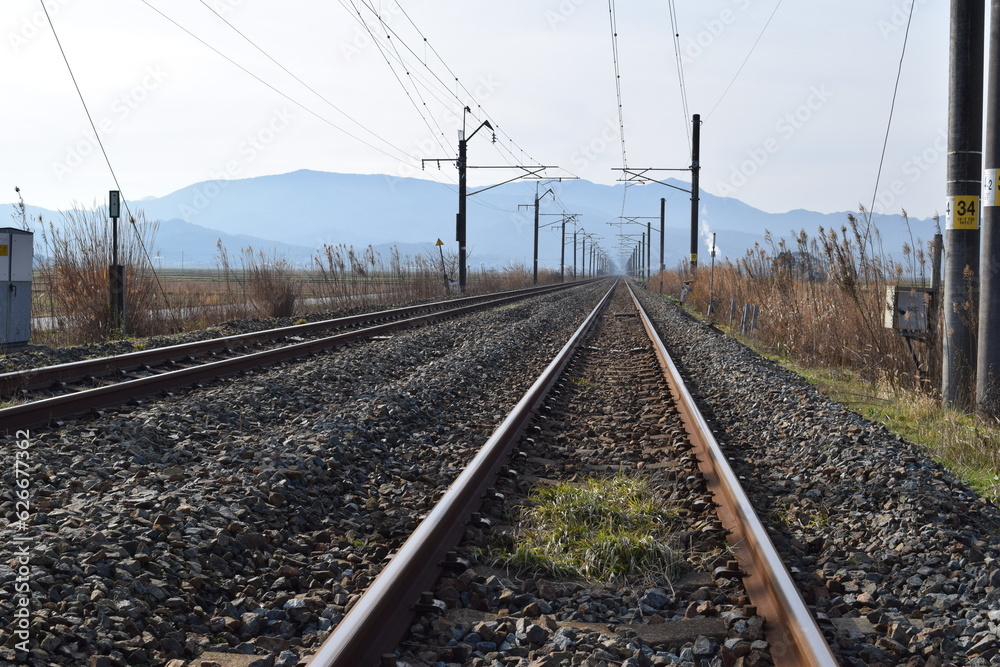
(801, 126)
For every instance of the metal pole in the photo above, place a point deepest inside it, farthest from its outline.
(695, 169)
(649, 250)
(562, 254)
(987, 391)
(663, 218)
(460, 220)
(574, 253)
(583, 255)
(965, 121)
(711, 282)
(534, 270)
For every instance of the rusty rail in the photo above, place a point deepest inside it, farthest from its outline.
(794, 637)
(381, 617)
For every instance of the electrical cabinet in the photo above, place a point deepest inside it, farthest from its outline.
(906, 309)
(16, 258)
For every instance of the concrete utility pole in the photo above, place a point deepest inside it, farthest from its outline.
(988, 366)
(663, 217)
(965, 122)
(534, 263)
(649, 250)
(695, 169)
(562, 254)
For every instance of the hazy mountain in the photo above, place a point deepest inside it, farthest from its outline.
(296, 213)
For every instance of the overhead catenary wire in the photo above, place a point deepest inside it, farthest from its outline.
(104, 152)
(747, 58)
(618, 91)
(675, 31)
(888, 125)
(288, 97)
(297, 78)
(618, 79)
(497, 127)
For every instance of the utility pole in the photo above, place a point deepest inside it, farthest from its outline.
(663, 217)
(695, 169)
(965, 121)
(574, 254)
(988, 366)
(462, 164)
(649, 250)
(562, 254)
(534, 264)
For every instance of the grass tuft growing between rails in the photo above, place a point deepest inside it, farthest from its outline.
(597, 529)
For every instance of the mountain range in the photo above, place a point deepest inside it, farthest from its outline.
(294, 214)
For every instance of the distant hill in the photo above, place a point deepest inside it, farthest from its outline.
(295, 213)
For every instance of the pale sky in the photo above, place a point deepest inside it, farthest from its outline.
(802, 126)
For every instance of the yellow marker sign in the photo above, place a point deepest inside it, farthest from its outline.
(3, 251)
(439, 242)
(694, 257)
(962, 212)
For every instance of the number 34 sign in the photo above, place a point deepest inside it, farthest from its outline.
(962, 212)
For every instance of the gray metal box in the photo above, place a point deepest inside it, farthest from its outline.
(16, 259)
(906, 308)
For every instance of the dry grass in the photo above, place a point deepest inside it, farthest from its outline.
(822, 304)
(74, 260)
(822, 301)
(71, 281)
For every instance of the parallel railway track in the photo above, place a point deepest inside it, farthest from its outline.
(110, 381)
(370, 632)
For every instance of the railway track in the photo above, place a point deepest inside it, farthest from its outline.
(40, 396)
(588, 426)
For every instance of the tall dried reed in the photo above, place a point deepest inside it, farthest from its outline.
(822, 299)
(75, 256)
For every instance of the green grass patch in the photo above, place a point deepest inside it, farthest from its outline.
(597, 529)
(968, 448)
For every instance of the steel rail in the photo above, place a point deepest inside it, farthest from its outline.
(378, 621)
(33, 379)
(45, 411)
(794, 637)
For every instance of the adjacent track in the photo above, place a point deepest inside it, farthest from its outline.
(375, 625)
(156, 363)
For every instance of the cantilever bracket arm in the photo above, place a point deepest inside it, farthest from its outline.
(511, 180)
(641, 177)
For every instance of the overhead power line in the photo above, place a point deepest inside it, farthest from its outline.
(675, 31)
(288, 97)
(749, 53)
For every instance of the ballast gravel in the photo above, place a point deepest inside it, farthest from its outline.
(248, 515)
